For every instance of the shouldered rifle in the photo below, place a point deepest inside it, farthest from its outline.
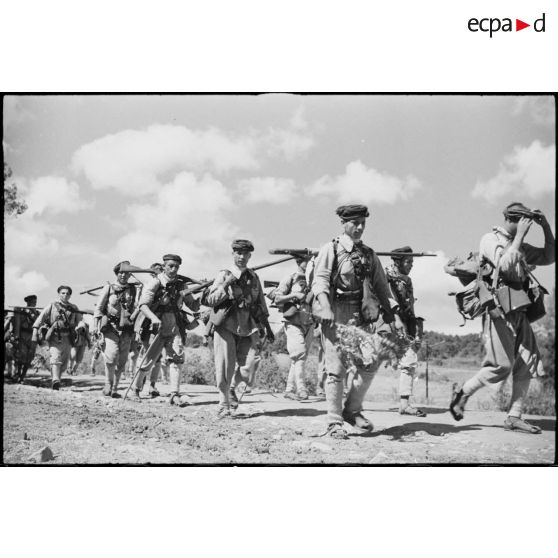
(91, 291)
(20, 309)
(306, 252)
(203, 285)
(270, 284)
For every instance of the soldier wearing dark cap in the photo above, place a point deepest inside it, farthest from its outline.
(346, 273)
(509, 342)
(239, 314)
(62, 321)
(291, 298)
(112, 319)
(21, 334)
(402, 290)
(161, 303)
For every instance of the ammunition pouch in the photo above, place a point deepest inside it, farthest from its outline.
(511, 299)
(290, 310)
(370, 306)
(537, 309)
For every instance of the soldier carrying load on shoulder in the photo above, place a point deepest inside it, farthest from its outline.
(402, 289)
(21, 336)
(350, 286)
(112, 320)
(161, 303)
(59, 323)
(240, 317)
(509, 342)
(292, 297)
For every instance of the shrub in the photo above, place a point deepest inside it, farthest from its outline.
(540, 399)
(270, 376)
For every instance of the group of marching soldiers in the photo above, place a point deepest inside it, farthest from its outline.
(344, 283)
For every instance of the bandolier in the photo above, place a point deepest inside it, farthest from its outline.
(113, 320)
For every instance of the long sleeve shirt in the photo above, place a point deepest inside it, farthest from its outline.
(64, 315)
(246, 296)
(345, 278)
(111, 300)
(496, 247)
(295, 283)
(156, 294)
(402, 290)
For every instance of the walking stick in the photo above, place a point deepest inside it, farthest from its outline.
(138, 368)
(426, 373)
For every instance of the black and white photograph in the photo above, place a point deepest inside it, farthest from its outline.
(279, 279)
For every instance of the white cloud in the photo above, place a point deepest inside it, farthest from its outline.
(285, 143)
(38, 231)
(268, 190)
(363, 184)
(187, 217)
(26, 237)
(541, 108)
(20, 283)
(136, 162)
(54, 194)
(527, 171)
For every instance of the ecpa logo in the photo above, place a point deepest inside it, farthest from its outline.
(494, 24)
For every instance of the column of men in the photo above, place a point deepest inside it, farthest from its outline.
(346, 281)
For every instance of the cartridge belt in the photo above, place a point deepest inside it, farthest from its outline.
(348, 296)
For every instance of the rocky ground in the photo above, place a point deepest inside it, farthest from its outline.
(79, 425)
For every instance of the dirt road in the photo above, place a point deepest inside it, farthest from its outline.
(81, 426)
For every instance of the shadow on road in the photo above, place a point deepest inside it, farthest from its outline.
(427, 410)
(544, 424)
(295, 413)
(399, 432)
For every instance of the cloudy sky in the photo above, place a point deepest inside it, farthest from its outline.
(108, 178)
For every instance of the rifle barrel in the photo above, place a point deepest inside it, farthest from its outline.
(206, 284)
(311, 252)
(406, 254)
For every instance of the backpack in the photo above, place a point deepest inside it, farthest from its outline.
(472, 272)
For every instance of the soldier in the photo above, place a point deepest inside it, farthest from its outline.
(349, 283)
(112, 319)
(291, 296)
(161, 303)
(509, 342)
(8, 346)
(78, 350)
(402, 290)
(239, 314)
(60, 321)
(22, 333)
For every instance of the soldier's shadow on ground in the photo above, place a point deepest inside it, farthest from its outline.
(409, 429)
(294, 413)
(427, 410)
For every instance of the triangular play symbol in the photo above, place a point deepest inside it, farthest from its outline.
(519, 25)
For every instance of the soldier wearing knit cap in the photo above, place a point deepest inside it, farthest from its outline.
(62, 320)
(509, 342)
(20, 325)
(239, 314)
(402, 290)
(291, 298)
(117, 303)
(341, 269)
(161, 303)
